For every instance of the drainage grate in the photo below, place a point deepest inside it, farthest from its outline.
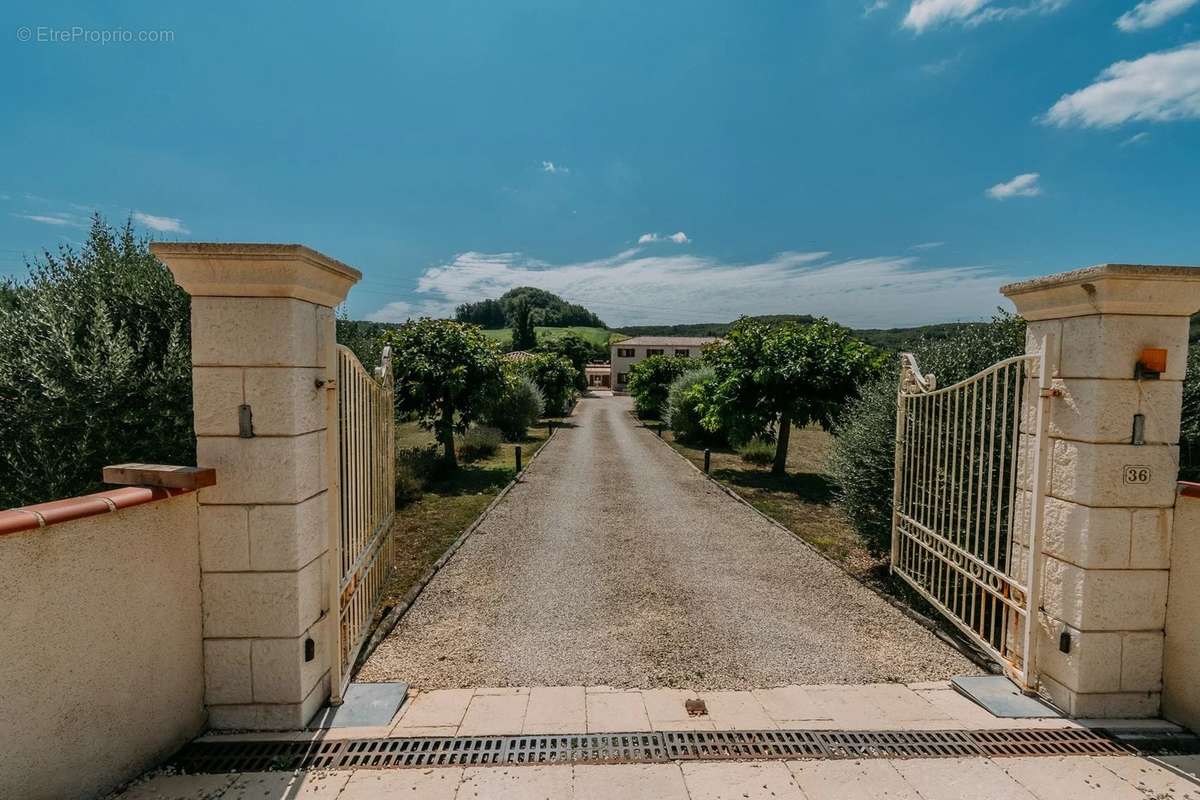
(254, 756)
(591, 747)
(702, 745)
(1048, 742)
(897, 744)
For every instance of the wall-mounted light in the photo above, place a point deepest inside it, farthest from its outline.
(1151, 364)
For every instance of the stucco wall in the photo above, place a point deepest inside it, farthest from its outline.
(1181, 655)
(101, 673)
(621, 365)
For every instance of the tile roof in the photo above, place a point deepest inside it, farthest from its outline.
(667, 341)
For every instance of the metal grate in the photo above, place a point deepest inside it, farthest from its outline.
(897, 744)
(1048, 742)
(591, 747)
(703, 745)
(248, 756)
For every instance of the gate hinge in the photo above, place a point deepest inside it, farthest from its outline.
(1050, 393)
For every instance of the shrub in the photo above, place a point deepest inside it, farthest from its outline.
(682, 413)
(1189, 432)
(517, 406)
(864, 451)
(95, 368)
(650, 381)
(757, 451)
(479, 443)
(416, 468)
(555, 376)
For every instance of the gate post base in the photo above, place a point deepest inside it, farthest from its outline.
(1114, 434)
(263, 339)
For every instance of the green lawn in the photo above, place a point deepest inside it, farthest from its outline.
(593, 335)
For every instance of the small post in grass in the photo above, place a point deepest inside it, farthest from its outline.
(707, 460)
(517, 450)
(660, 427)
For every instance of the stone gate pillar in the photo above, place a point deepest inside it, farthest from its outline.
(1120, 336)
(263, 370)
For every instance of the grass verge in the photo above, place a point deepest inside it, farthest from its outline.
(802, 500)
(425, 528)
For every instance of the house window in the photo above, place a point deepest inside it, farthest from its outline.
(624, 352)
(654, 352)
(622, 377)
(683, 353)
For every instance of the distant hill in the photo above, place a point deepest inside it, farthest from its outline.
(892, 339)
(549, 310)
(596, 336)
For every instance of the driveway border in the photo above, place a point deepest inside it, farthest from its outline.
(926, 622)
(393, 617)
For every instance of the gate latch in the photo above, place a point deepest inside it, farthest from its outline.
(245, 422)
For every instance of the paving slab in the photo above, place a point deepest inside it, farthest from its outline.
(737, 711)
(851, 780)
(962, 779)
(178, 787)
(494, 715)
(616, 712)
(556, 709)
(790, 706)
(629, 782)
(1167, 777)
(316, 785)
(726, 780)
(517, 783)
(380, 784)
(1058, 778)
(436, 708)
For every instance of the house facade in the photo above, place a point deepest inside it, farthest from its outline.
(627, 353)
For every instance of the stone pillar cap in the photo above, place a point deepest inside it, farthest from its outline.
(219, 269)
(1144, 290)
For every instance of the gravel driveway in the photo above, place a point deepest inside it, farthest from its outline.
(614, 563)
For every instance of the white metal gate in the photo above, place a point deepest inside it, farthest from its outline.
(367, 464)
(968, 498)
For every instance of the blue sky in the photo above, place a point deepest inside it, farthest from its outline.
(879, 162)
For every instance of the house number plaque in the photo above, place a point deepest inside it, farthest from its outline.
(1134, 474)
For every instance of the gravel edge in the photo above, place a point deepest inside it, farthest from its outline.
(963, 647)
(393, 617)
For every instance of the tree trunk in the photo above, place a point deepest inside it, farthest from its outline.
(781, 445)
(446, 437)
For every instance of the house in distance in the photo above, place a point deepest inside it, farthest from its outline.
(630, 351)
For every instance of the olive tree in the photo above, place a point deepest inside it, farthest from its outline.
(445, 371)
(95, 367)
(862, 460)
(769, 377)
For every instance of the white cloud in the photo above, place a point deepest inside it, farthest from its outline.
(878, 5)
(160, 224)
(925, 14)
(1159, 87)
(927, 246)
(1021, 186)
(679, 237)
(635, 287)
(1151, 14)
(57, 219)
(555, 169)
(1137, 138)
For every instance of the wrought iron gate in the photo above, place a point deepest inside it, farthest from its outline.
(970, 485)
(366, 472)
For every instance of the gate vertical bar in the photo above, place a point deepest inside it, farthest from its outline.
(1038, 481)
(901, 408)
